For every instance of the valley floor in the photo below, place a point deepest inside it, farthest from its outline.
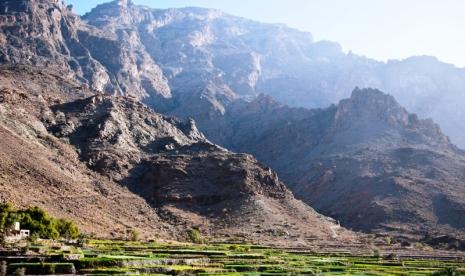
(102, 257)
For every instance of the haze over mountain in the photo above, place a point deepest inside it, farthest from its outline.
(249, 87)
(251, 58)
(114, 165)
(230, 57)
(383, 30)
(366, 162)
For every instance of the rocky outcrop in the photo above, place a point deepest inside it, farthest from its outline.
(112, 164)
(366, 162)
(113, 134)
(46, 33)
(393, 169)
(217, 58)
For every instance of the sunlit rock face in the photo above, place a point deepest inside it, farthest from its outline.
(48, 34)
(158, 55)
(249, 85)
(211, 54)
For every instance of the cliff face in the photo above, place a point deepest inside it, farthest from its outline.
(366, 162)
(44, 33)
(48, 34)
(159, 55)
(218, 58)
(112, 164)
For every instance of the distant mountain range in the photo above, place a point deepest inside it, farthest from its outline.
(219, 57)
(113, 165)
(366, 162)
(264, 89)
(127, 49)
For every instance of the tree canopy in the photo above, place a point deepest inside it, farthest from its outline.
(39, 223)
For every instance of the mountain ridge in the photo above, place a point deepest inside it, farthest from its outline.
(280, 66)
(114, 165)
(153, 63)
(366, 162)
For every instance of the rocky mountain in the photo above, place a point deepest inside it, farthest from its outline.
(112, 164)
(46, 33)
(218, 58)
(366, 162)
(158, 55)
(36, 168)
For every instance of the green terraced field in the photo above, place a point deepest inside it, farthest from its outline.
(133, 258)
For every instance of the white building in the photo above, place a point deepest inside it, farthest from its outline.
(17, 234)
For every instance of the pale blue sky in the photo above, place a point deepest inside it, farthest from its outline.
(380, 29)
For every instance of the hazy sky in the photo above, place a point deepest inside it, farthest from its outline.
(380, 29)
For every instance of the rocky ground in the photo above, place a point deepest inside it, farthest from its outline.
(113, 165)
(366, 162)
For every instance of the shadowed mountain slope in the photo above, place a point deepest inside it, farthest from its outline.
(194, 62)
(366, 162)
(211, 58)
(112, 164)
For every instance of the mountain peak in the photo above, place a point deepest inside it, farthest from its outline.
(123, 3)
(119, 11)
(370, 95)
(371, 115)
(371, 105)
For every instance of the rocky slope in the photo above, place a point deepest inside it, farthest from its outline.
(46, 33)
(194, 62)
(37, 168)
(157, 55)
(366, 162)
(216, 58)
(112, 164)
(211, 66)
